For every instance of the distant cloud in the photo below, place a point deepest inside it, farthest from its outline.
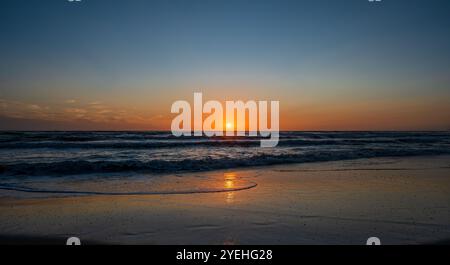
(17, 109)
(71, 112)
(157, 117)
(34, 107)
(3, 104)
(76, 113)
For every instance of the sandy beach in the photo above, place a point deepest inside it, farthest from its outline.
(399, 200)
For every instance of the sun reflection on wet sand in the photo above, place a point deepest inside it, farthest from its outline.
(230, 177)
(229, 197)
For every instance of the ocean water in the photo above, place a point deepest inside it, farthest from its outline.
(60, 154)
(47, 164)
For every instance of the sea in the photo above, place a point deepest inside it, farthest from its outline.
(62, 154)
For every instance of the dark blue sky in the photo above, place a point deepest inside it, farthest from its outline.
(145, 54)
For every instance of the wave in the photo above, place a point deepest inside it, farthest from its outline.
(21, 188)
(76, 167)
(74, 153)
(213, 142)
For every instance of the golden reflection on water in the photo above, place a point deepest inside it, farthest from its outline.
(230, 178)
(229, 197)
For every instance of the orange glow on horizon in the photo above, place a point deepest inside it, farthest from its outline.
(429, 113)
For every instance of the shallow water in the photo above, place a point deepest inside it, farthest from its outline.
(137, 184)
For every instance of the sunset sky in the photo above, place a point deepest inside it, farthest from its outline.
(119, 65)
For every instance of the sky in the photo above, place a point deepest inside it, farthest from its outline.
(119, 65)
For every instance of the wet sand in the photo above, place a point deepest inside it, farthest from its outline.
(399, 200)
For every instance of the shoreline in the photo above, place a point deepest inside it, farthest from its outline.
(401, 200)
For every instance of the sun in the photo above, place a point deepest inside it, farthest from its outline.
(229, 126)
